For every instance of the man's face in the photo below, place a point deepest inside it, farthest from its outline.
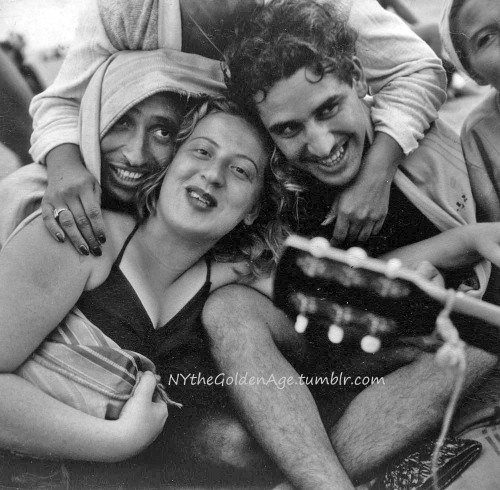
(320, 126)
(138, 144)
(479, 20)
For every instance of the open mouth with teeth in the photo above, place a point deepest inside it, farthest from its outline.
(335, 156)
(203, 199)
(128, 176)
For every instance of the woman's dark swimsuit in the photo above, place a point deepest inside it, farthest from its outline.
(180, 352)
(178, 349)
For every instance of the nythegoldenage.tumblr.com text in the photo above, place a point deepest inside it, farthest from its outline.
(281, 382)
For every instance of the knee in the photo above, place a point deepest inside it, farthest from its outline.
(225, 442)
(237, 305)
(241, 311)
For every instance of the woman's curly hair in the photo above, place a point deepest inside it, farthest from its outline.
(259, 244)
(283, 37)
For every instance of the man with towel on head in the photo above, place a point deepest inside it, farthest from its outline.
(123, 81)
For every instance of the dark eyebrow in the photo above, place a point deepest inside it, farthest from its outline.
(281, 125)
(170, 122)
(333, 100)
(238, 155)
(162, 118)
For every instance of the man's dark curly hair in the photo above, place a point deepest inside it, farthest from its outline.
(283, 37)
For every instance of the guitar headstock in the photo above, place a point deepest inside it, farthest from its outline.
(353, 298)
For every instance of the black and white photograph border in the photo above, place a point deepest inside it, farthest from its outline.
(43, 30)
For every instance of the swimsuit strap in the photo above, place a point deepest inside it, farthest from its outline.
(209, 265)
(127, 241)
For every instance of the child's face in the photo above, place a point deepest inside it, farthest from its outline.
(479, 20)
(320, 126)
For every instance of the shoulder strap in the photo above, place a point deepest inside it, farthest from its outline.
(127, 241)
(209, 268)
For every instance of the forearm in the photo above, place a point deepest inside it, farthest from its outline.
(385, 419)
(32, 422)
(382, 160)
(55, 111)
(447, 250)
(404, 74)
(62, 157)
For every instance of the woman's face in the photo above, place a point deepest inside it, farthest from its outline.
(215, 180)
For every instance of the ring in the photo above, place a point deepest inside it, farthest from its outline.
(58, 211)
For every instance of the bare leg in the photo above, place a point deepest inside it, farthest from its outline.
(243, 327)
(384, 419)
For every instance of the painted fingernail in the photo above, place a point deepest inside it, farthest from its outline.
(97, 251)
(60, 237)
(84, 250)
(102, 239)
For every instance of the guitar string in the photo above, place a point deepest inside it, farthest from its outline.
(452, 356)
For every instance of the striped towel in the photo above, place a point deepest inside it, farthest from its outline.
(80, 366)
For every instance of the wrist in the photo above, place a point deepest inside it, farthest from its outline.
(63, 155)
(114, 443)
(383, 158)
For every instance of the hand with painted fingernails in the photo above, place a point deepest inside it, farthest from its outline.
(71, 206)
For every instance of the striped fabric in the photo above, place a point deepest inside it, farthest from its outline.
(80, 366)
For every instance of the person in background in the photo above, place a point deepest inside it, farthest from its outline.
(470, 34)
(14, 48)
(15, 120)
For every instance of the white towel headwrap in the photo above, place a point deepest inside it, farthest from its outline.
(124, 80)
(129, 77)
(446, 38)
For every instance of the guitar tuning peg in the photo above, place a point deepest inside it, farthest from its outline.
(335, 334)
(357, 252)
(301, 323)
(370, 344)
(318, 246)
(392, 267)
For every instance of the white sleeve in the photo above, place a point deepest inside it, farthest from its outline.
(405, 76)
(55, 111)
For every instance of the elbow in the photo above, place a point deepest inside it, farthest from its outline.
(435, 75)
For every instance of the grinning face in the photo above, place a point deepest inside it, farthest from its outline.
(319, 125)
(215, 179)
(479, 20)
(138, 144)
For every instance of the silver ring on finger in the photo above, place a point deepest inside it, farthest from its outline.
(58, 211)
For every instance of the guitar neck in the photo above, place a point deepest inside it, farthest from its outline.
(463, 303)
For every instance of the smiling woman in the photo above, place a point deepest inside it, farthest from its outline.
(210, 218)
(150, 272)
